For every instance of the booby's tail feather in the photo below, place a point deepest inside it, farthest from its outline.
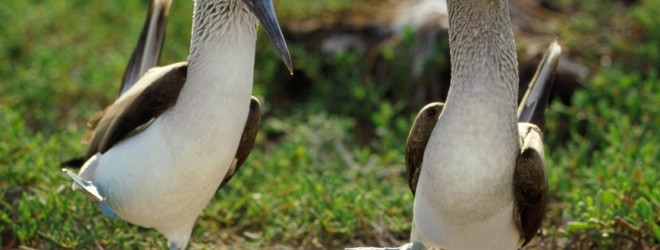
(532, 107)
(149, 46)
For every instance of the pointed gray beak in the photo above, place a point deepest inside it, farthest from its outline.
(265, 12)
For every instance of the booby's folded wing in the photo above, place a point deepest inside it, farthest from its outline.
(530, 183)
(145, 56)
(529, 178)
(417, 140)
(154, 93)
(247, 139)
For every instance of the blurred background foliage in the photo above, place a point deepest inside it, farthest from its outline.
(328, 168)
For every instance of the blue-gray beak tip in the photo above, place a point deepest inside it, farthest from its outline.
(265, 12)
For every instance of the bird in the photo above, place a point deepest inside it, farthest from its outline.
(475, 164)
(157, 155)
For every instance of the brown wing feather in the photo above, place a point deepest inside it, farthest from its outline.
(92, 123)
(417, 140)
(530, 183)
(247, 139)
(157, 91)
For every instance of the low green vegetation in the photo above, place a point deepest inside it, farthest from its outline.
(327, 170)
(308, 10)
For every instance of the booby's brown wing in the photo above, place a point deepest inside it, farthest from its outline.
(247, 139)
(157, 91)
(154, 93)
(529, 180)
(417, 140)
(530, 183)
(148, 49)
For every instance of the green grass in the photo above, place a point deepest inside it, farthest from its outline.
(313, 180)
(307, 10)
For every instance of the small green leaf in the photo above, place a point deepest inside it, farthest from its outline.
(608, 197)
(577, 226)
(656, 231)
(643, 208)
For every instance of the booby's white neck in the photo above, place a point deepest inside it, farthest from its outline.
(476, 135)
(483, 55)
(221, 62)
(217, 24)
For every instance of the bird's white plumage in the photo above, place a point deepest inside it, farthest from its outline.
(165, 175)
(494, 232)
(464, 198)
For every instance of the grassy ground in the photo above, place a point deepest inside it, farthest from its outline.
(311, 182)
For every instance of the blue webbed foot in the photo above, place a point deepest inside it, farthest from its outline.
(92, 193)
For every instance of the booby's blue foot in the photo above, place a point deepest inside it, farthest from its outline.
(92, 193)
(173, 246)
(106, 209)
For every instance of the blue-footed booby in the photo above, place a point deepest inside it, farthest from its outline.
(475, 165)
(158, 154)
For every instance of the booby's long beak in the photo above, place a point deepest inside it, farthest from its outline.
(265, 12)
